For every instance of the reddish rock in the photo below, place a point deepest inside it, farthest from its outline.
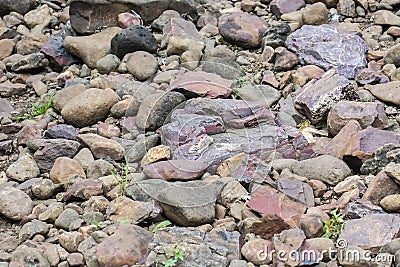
(279, 7)
(266, 226)
(102, 147)
(242, 29)
(371, 232)
(316, 98)
(266, 200)
(365, 142)
(127, 19)
(202, 84)
(297, 189)
(6, 48)
(171, 170)
(84, 189)
(381, 186)
(108, 130)
(284, 59)
(65, 169)
(126, 246)
(337, 146)
(366, 113)
(28, 132)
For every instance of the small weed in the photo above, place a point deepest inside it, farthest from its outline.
(37, 109)
(219, 39)
(98, 224)
(122, 180)
(334, 225)
(161, 225)
(125, 221)
(174, 256)
(238, 84)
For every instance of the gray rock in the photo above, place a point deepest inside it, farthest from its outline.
(30, 62)
(21, 7)
(380, 158)
(276, 34)
(66, 218)
(99, 168)
(142, 65)
(25, 255)
(155, 109)
(14, 203)
(136, 150)
(62, 131)
(325, 168)
(107, 64)
(48, 150)
(33, 228)
(23, 169)
(263, 95)
(311, 44)
(392, 55)
(189, 203)
(134, 38)
(146, 190)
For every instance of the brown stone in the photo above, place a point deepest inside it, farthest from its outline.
(172, 170)
(155, 154)
(386, 92)
(279, 7)
(126, 246)
(126, 208)
(8, 89)
(366, 113)
(102, 147)
(337, 146)
(251, 251)
(284, 59)
(381, 186)
(63, 96)
(266, 226)
(6, 48)
(84, 189)
(65, 169)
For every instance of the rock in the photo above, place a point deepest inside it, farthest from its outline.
(315, 99)
(99, 14)
(380, 158)
(172, 170)
(39, 16)
(23, 169)
(14, 203)
(127, 19)
(20, 7)
(338, 145)
(155, 154)
(123, 208)
(155, 109)
(102, 147)
(315, 14)
(25, 255)
(75, 259)
(84, 189)
(142, 65)
(8, 89)
(132, 39)
(136, 150)
(386, 17)
(329, 36)
(242, 29)
(284, 59)
(371, 232)
(70, 240)
(89, 107)
(347, 8)
(391, 203)
(202, 84)
(189, 203)
(66, 218)
(324, 168)
(91, 48)
(386, 92)
(393, 170)
(30, 62)
(362, 144)
(300, 191)
(380, 186)
(7, 48)
(275, 36)
(107, 64)
(64, 169)
(180, 35)
(392, 55)
(33, 228)
(62, 97)
(263, 95)
(196, 244)
(279, 7)
(85, 158)
(126, 246)
(289, 242)
(61, 131)
(280, 204)
(27, 133)
(43, 189)
(48, 150)
(312, 225)
(160, 22)
(99, 168)
(251, 251)
(366, 113)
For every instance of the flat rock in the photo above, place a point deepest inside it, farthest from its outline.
(387, 92)
(62, 131)
(171, 170)
(134, 38)
(263, 95)
(298, 190)
(278, 203)
(126, 246)
(84, 189)
(21, 7)
(87, 16)
(64, 169)
(91, 48)
(311, 44)
(102, 147)
(136, 211)
(180, 35)
(30, 62)
(23, 169)
(242, 29)
(279, 7)
(8, 89)
(366, 113)
(325, 168)
(338, 144)
(315, 99)
(371, 232)
(48, 150)
(386, 17)
(380, 186)
(89, 107)
(14, 203)
(189, 203)
(201, 84)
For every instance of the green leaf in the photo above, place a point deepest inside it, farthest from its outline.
(161, 225)
(170, 263)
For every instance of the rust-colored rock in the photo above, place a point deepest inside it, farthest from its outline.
(338, 144)
(102, 147)
(84, 189)
(381, 186)
(65, 169)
